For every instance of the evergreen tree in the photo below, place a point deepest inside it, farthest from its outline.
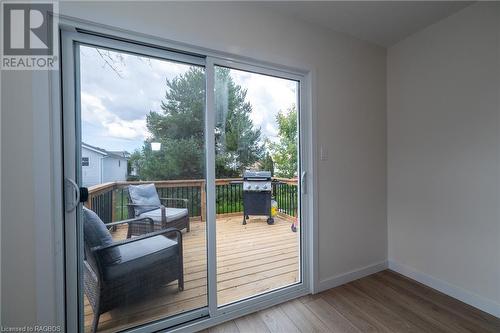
(238, 144)
(267, 164)
(180, 129)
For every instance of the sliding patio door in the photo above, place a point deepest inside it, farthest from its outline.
(184, 181)
(137, 129)
(257, 197)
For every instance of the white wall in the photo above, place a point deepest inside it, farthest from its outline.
(349, 102)
(18, 219)
(443, 156)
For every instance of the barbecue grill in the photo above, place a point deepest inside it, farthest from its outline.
(257, 195)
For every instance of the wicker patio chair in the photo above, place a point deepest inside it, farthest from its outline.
(118, 273)
(165, 212)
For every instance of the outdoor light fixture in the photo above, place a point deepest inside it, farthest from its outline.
(155, 146)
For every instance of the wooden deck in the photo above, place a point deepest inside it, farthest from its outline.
(251, 259)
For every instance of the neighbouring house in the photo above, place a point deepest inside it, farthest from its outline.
(102, 166)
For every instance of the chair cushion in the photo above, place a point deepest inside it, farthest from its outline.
(143, 195)
(95, 234)
(139, 256)
(171, 214)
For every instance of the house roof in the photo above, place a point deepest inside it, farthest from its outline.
(120, 153)
(108, 153)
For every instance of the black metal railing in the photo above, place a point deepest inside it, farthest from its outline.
(286, 196)
(229, 198)
(102, 205)
(110, 201)
(191, 193)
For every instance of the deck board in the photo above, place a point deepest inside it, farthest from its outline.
(251, 259)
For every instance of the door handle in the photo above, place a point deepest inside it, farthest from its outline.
(303, 182)
(84, 194)
(72, 194)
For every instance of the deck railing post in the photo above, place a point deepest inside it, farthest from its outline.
(203, 203)
(113, 204)
(88, 203)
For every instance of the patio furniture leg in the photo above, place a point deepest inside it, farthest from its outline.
(180, 280)
(95, 322)
(181, 283)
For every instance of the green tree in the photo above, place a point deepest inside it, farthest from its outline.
(179, 127)
(238, 143)
(284, 152)
(267, 164)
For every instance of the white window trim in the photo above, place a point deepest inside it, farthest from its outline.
(302, 73)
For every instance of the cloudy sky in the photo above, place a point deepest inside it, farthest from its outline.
(118, 91)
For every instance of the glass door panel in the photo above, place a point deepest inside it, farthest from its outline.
(142, 157)
(257, 199)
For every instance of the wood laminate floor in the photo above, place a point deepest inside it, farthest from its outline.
(383, 302)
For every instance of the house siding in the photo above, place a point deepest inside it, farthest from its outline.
(92, 174)
(114, 169)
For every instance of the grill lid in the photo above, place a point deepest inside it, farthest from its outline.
(257, 175)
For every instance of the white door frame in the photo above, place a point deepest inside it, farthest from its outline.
(303, 285)
(71, 31)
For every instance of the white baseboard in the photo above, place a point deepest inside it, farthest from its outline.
(461, 294)
(344, 278)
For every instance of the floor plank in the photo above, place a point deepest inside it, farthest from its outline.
(277, 321)
(330, 317)
(377, 311)
(393, 301)
(302, 317)
(480, 318)
(434, 312)
(251, 323)
(360, 320)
